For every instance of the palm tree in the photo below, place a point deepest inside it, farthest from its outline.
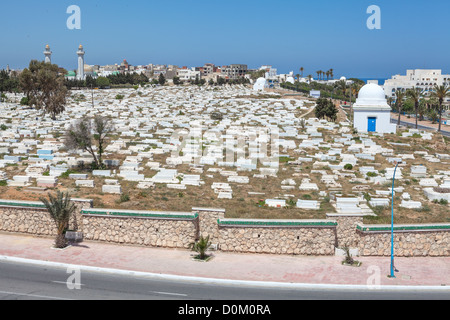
(355, 87)
(328, 74)
(301, 70)
(400, 97)
(201, 246)
(441, 92)
(309, 78)
(342, 85)
(318, 74)
(416, 94)
(331, 73)
(60, 209)
(422, 109)
(389, 100)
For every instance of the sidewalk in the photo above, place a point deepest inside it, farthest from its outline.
(426, 271)
(425, 123)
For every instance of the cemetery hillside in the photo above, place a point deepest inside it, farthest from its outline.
(256, 154)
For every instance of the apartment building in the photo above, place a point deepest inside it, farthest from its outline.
(234, 71)
(424, 79)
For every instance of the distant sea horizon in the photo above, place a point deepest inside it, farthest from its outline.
(381, 81)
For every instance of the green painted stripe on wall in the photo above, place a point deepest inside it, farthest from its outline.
(403, 228)
(277, 223)
(139, 215)
(22, 204)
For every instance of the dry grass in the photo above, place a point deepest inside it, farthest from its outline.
(244, 205)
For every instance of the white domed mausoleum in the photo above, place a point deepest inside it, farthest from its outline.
(371, 112)
(260, 84)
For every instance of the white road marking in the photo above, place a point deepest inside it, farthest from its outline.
(170, 293)
(64, 282)
(32, 295)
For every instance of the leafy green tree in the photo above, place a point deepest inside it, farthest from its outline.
(103, 82)
(176, 81)
(221, 81)
(161, 79)
(90, 135)
(90, 82)
(44, 85)
(433, 115)
(257, 74)
(60, 209)
(326, 109)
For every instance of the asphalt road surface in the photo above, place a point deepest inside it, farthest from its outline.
(413, 125)
(36, 282)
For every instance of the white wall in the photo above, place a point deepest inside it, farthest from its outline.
(383, 121)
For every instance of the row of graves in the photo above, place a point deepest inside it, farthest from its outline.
(158, 132)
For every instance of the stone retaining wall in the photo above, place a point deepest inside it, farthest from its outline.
(156, 229)
(277, 237)
(181, 229)
(409, 240)
(32, 217)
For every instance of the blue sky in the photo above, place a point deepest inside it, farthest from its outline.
(288, 34)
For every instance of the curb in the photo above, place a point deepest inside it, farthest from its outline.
(224, 282)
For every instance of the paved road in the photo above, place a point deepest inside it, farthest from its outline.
(413, 125)
(39, 282)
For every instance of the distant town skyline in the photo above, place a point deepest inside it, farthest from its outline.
(285, 34)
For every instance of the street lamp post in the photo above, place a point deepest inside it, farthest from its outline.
(392, 223)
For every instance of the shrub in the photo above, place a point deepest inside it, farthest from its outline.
(216, 116)
(124, 198)
(24, 101)
(201, 246)
(348, 166)
(66, 174)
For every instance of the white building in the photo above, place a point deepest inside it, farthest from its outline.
(188, 74)
(286, 77)
(371, 112)
(260, 84)
(424, 79)
(271, 73)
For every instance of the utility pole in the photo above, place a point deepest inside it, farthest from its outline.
(351, 107)
(392, 275)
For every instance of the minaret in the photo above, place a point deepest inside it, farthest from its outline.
(48, 54)
(80, 73)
